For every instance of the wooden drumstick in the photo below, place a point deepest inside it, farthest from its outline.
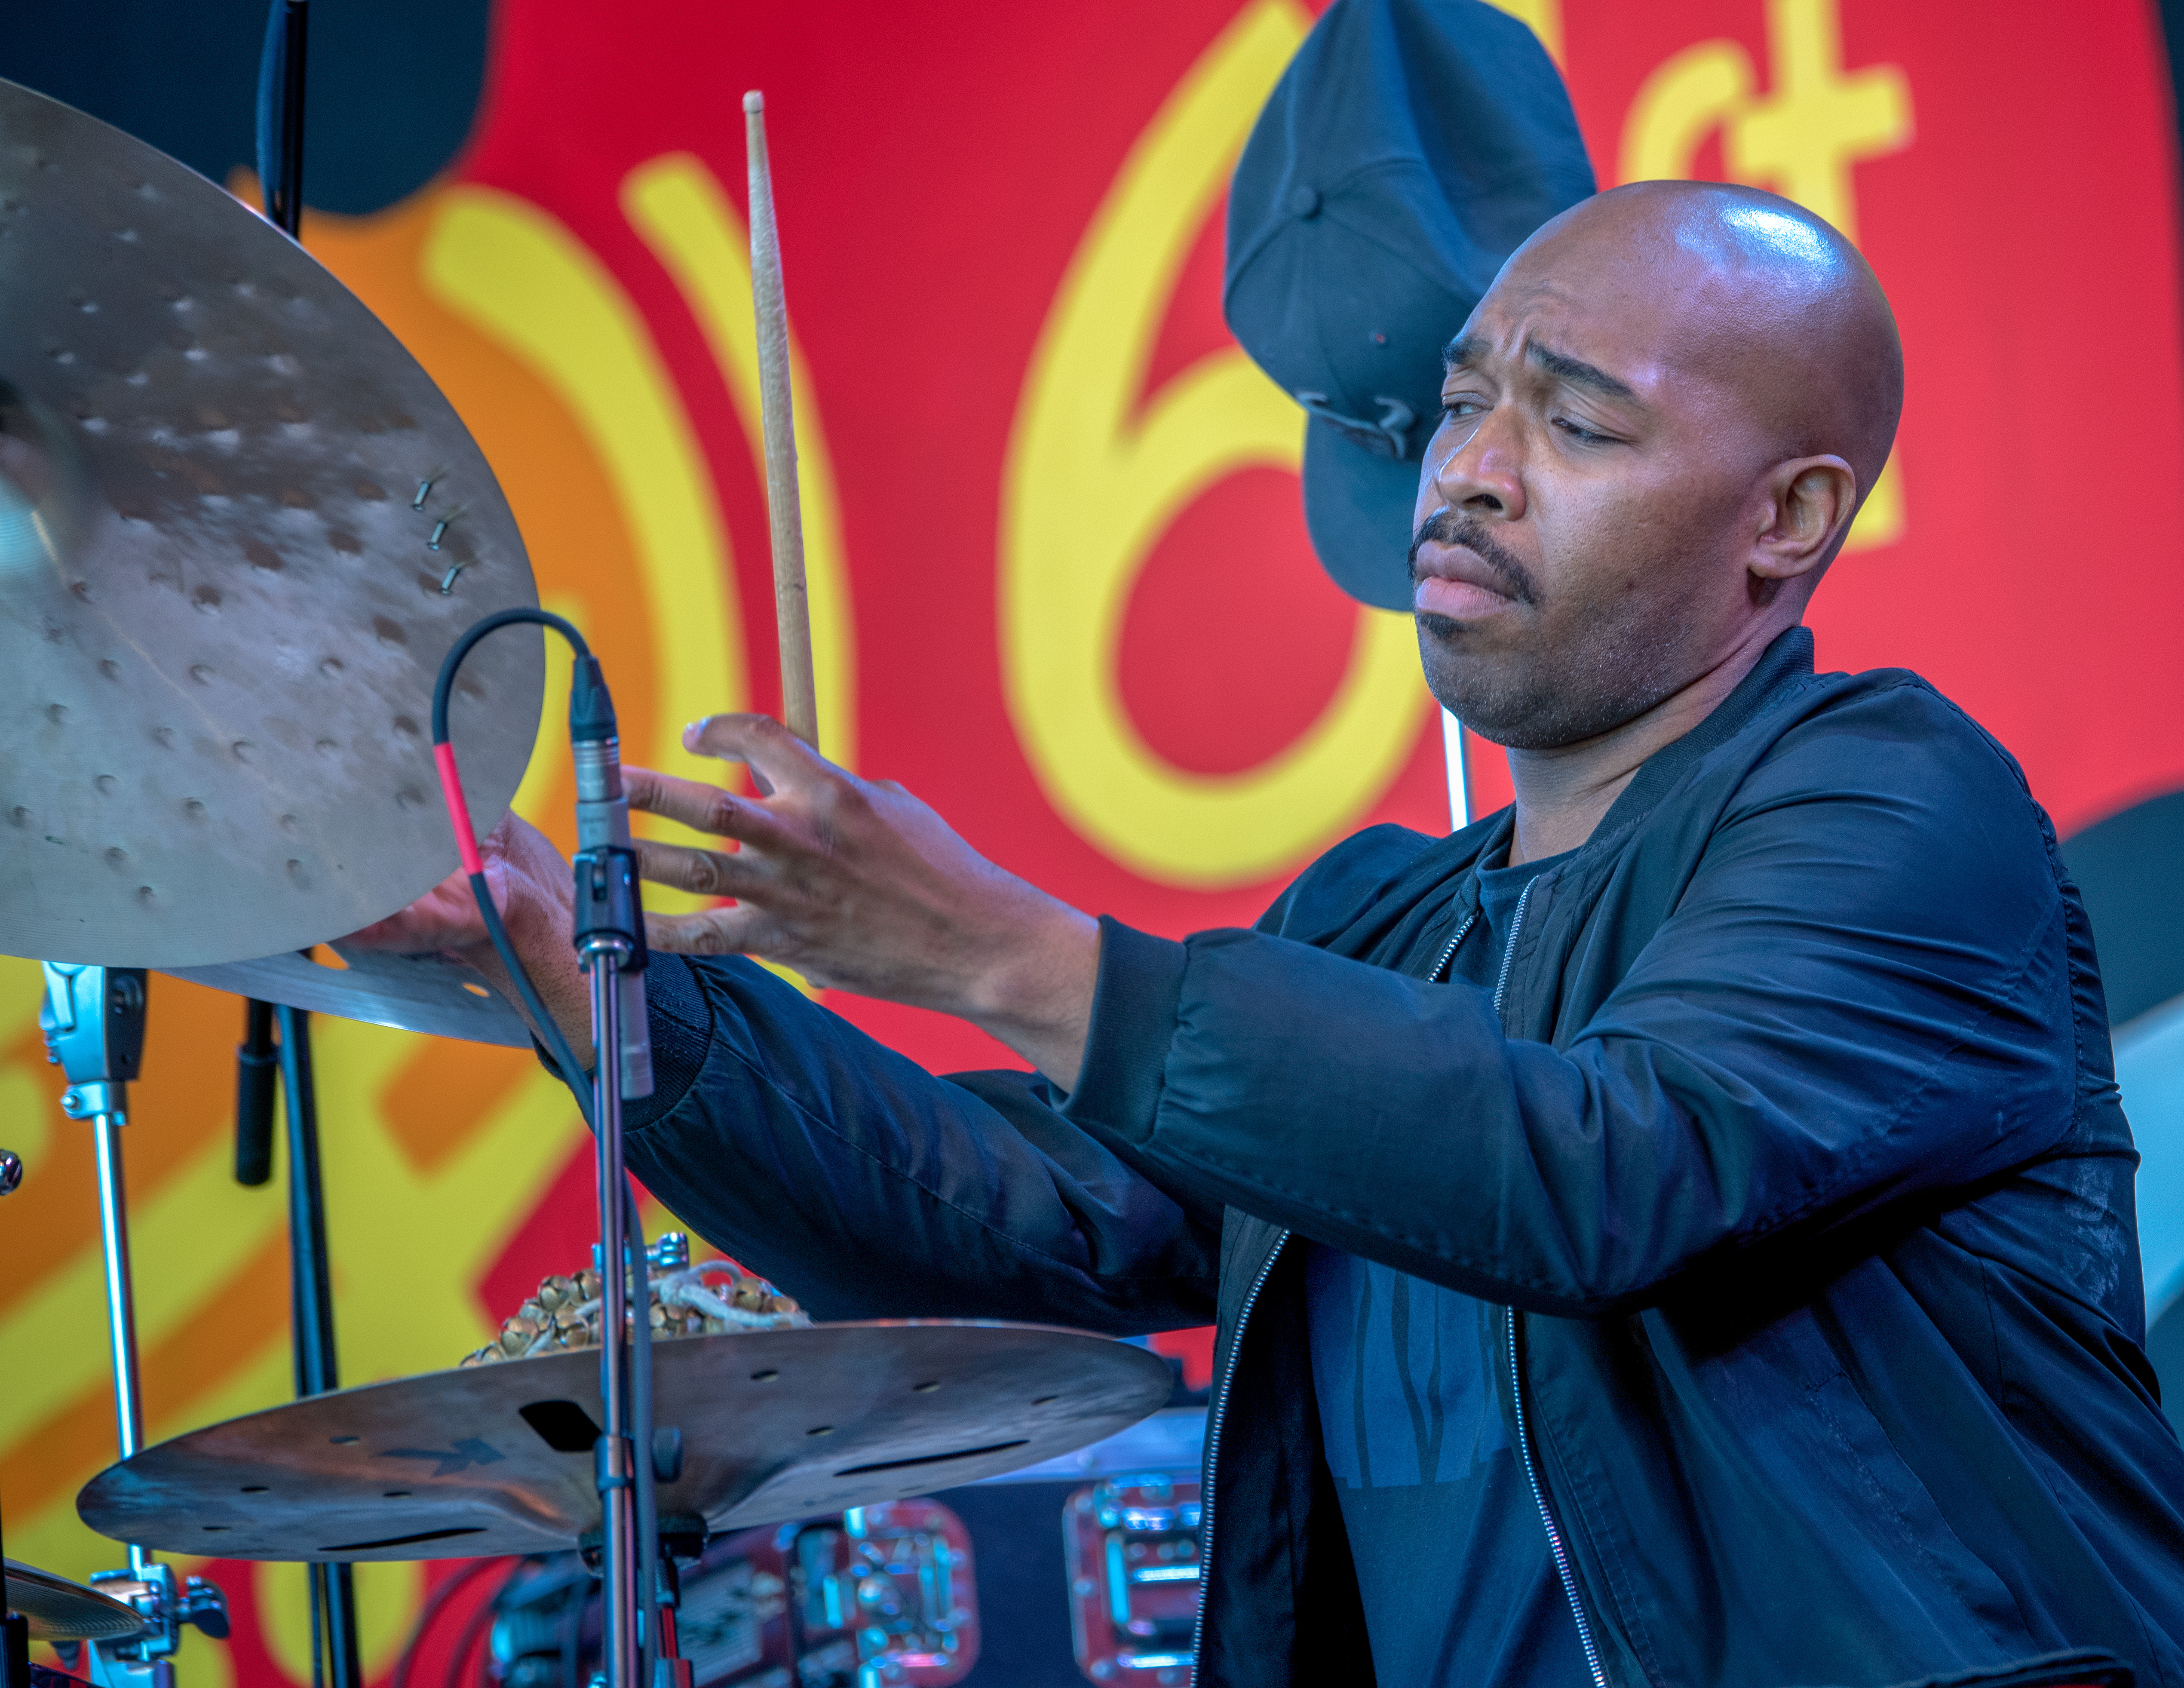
(799, 705)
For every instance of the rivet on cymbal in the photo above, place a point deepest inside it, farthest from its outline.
(57, 713)
(147, 895)
(923, 1389)
(396, 1495)
(201, 673)
(254, 1489)
(765, 1377)
(302, 880)
(116, 856)
(344, 1442)
(330, 666)
(243, 749)
(167, 736)
(410, 796)
(194, 809)
(20, 815)
(290, 825)
(325, 747)
(820, 1430)
(1045, 1399)
(109, 668)
(107, 784)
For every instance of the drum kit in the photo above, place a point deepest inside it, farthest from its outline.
(240, 530)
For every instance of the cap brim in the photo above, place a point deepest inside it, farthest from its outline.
(1358, 509)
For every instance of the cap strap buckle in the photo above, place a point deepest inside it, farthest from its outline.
(1388, 437)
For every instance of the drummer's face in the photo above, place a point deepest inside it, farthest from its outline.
(1583, 519)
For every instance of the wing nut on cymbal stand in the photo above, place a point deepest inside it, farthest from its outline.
(92, 1019)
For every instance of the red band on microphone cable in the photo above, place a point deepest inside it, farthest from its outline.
(458, 809)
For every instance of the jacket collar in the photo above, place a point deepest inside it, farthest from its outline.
(1783, 668)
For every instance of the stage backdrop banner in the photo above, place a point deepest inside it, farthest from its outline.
(1059, 577)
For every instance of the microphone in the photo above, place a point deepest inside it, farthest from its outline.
(603, 825)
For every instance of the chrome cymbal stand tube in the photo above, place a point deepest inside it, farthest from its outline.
(93, 1023)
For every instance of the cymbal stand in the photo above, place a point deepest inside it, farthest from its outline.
(15, 1628)
(93, 1023)
(311, 1297)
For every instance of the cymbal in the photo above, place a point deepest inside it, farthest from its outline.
(59, 1610)
(221, 612)
(433, 994)
(775, 1424)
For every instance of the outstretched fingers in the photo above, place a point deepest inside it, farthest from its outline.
(775, 755)
(707, 873)
(711, 931)
(702, 808)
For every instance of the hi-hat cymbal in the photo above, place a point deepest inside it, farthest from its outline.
(775, 1424)
(59, 1610)
(431, 994)
(220, 604)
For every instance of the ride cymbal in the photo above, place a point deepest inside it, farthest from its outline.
(229, 500)
(775, 1424)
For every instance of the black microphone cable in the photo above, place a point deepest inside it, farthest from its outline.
(466, 842)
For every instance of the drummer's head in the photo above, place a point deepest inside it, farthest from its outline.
(1657, 426)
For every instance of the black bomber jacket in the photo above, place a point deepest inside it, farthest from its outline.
(1790, 1142)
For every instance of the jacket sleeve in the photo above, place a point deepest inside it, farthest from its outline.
(869, 1189)
(1862, 993)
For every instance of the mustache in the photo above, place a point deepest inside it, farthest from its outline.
(1446, 526)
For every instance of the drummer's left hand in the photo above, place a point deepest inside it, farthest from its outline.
(860, 887)
(531, 885)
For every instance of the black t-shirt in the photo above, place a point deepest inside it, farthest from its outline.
(1460, 1590)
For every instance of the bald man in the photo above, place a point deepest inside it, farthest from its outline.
(1676, 1230)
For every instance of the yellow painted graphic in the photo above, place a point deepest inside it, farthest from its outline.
(1800, 139)
(1097, 472)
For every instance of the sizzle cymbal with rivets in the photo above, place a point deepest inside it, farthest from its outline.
(775, 1424)
(229, 502)
(435, 994)
(59, 1610)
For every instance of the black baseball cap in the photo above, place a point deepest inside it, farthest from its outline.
(1408, 149)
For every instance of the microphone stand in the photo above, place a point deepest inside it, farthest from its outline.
(609, 932)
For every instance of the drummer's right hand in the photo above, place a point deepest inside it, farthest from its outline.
(535, 892)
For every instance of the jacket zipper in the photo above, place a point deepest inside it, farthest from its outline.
(1213, 1446)
(1220, 1412)
(1556, 1546)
